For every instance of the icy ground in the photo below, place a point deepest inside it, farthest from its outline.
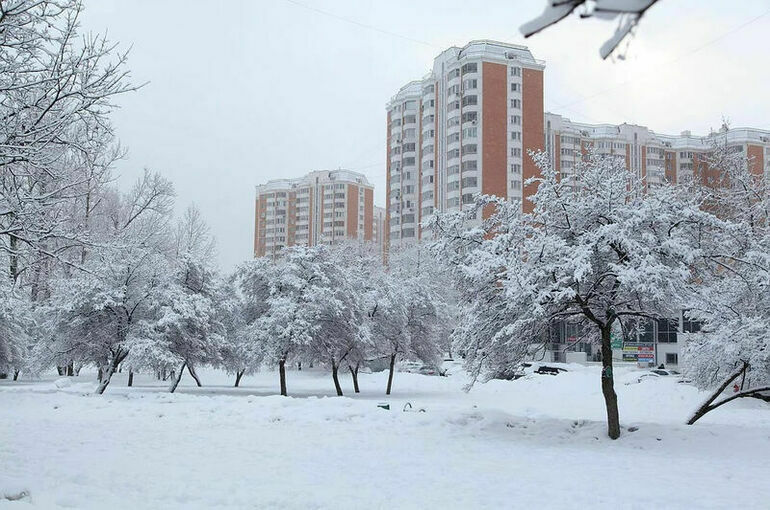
(538, 442)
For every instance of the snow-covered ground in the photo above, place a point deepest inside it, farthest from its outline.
(538, 442)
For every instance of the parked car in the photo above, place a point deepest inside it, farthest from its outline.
(412, 367)
(662, 371)
(655, 373)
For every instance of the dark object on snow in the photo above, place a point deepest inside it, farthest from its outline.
(408, 408)
(17, 496)
(545, 370)
(511, 374)
(384, 405)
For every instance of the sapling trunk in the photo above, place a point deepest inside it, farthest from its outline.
(194, 375)
(238, 376)
(105, 373)
(354, 374)
(175, 380)
(390, 373)
(335, 376)
(282, 375)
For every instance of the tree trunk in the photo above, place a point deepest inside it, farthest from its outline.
(706, 406)
(282, 375)
(16, 375)
(98, 374)
(390, 373)
(336, 378)
(175, 380)
(130, 377)
(109, 369)
(71, 368)
(608, 385)
(238, 376)
(60, 371)
(14, 257)
(354, 374)
(191, 369)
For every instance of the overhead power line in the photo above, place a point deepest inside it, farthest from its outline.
(359, 24)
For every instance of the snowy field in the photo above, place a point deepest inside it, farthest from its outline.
(539, 442)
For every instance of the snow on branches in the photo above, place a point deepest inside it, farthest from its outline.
(599, 249)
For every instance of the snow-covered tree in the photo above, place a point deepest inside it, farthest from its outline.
(733, 304)
(244, 304)
(404, 311)
(188, 325)
(287, 327)
(103, 307)
(337, 313)
(16, 327)
(58, 90)
(598, 249)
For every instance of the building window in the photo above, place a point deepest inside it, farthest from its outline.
(691, 326)
(470, 100)
(470, 67)
(667, 330)
(672, 358)
(515, 87)
(515, 71)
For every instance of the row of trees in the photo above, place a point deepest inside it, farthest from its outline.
(338, 307)
(604, 250)
(93, 276)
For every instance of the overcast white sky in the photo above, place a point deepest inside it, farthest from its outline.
(245, 91)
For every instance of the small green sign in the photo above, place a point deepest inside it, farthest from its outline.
(616, 342)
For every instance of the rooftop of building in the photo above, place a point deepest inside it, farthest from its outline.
(476, 49)
(683, 140)
(314, 177)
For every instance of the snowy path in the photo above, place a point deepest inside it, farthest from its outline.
(533, 443)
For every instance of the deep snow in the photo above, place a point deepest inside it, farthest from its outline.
(538, 442)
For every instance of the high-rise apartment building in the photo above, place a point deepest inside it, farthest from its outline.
(323, 207)
(379, 227)
(465, 128)
(651, 157)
